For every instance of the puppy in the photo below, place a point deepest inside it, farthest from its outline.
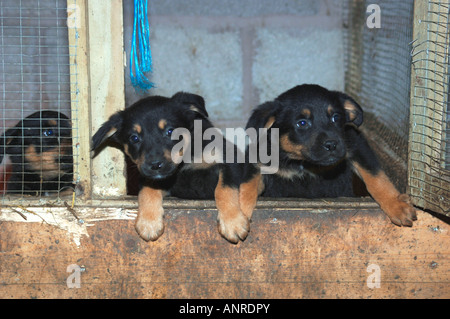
(321, 150)
(40, 150)
(146, 131)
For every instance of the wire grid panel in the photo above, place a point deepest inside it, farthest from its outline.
(378, 68)
(35, 100)
(429, 161)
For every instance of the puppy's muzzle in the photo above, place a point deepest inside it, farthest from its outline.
(157, 169)
(330, 145)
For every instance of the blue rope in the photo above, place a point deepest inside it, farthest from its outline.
(140, 57)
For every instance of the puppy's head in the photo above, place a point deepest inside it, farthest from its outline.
(144, 131)
(311, 121)
(42, 142)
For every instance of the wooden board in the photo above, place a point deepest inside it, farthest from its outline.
(107, 95)
(304, 250)
(97, 92)
(79, 91)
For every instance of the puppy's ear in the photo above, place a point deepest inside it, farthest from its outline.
(353, 111)
(108, 130)
(6, 139)
(263, 116)
(195, 102)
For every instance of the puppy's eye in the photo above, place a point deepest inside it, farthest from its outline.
(304, 123)
(169, 132)
(335, 117)
(134, 139)
(48, 132)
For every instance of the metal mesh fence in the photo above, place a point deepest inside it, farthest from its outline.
(429, 160)
(378, 68)
(377, 74)
(35, 100)
(409, 120)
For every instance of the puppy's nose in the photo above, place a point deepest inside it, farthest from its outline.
(156, 165)
(330, 145)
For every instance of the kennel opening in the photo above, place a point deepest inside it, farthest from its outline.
(92, 81)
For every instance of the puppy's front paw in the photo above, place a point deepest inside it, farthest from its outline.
(149, 223)
(150, 228)
(234, 228)
(400, 211)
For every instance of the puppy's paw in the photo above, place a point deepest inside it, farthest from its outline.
(234, 228)
(149, 228)
(400, 211)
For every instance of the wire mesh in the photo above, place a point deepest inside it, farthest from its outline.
(378, 68)
(36, 147)
(409, 113)
(429, 160)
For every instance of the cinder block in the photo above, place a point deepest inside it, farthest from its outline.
(288, 57)
(201, 62)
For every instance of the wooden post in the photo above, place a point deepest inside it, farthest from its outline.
(79, 89)
(106, 91)
(97, 92)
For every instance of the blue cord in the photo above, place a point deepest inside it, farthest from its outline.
(140, 58)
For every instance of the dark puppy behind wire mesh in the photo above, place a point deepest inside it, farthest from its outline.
(144, 132)
(40, 150)
(322, 152)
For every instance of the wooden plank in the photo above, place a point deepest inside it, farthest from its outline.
(106, 69)
(130, 202)
(75, 219)
(308, 253)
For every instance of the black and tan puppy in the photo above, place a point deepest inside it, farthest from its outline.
(40, 149)
(321, 150)
(146, 133)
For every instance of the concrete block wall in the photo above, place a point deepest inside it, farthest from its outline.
(238, 54)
